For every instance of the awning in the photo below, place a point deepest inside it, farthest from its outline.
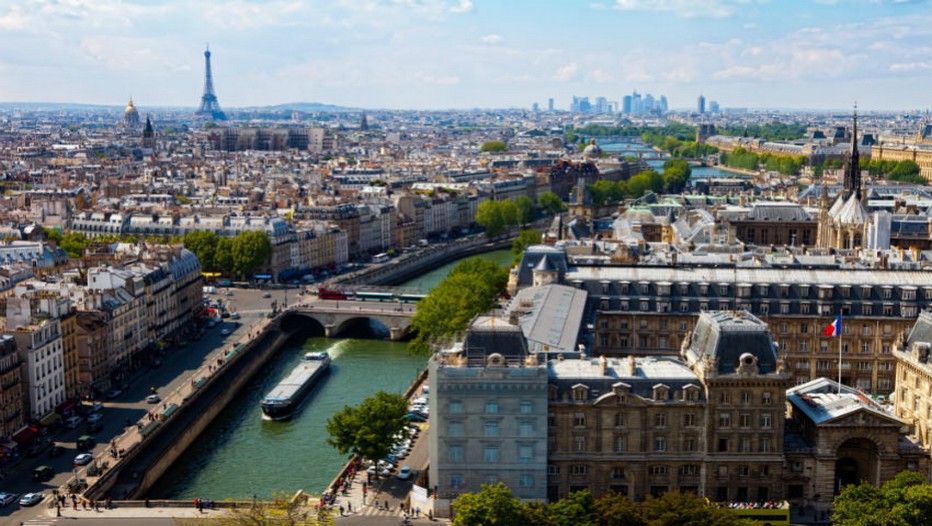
(50, 419)
(24, 435)
(263, 276)
(66, 406)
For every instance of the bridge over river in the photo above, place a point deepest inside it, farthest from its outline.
(337, 316)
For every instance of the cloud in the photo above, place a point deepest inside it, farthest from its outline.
(910, 67)
(445, 80)
(684, 8)
(567, 72)
(491, 39)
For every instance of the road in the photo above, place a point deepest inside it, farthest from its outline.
(178, 366)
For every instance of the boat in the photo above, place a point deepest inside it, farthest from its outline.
(284, 399)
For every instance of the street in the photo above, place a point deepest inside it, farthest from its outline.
(177, 367)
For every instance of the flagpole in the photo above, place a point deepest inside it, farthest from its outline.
(840, 336)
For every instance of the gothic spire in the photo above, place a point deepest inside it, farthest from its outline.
(853, 170)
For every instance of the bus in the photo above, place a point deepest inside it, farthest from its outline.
(328, 294)
(776, 514)
(380, 258)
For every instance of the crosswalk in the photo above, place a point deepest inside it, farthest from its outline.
(372, 511)
(42, 521)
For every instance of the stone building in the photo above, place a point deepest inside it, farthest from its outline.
(913, 400)
(13, 409)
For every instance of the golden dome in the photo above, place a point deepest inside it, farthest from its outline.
(129, 107)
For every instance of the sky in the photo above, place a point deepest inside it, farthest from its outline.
(443, 54)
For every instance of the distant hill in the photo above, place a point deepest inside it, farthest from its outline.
(307, 107)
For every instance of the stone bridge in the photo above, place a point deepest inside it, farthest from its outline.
(337, 316)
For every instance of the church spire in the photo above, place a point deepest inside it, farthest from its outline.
(853, 170)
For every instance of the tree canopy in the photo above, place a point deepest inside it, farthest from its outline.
(525, 239)
(497, 216)
(471, 288)
(550, 203)
(493, 147)
(242, 255)
(495, 504)
(368, 429)
(906, 500)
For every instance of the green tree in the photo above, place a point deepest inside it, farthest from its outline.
(223, 256)
(615, 509)
(493, 147)
(492, 505)
(368, 429)
(488, 272)
(576, 509)
(527, 212)
(525, 239)
(74, 243)
(550, 203)
(903, 501)
(209, 125)
(204, 245)
(496, 216)
(250, 251)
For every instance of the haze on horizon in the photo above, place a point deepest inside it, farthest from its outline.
(437, 54)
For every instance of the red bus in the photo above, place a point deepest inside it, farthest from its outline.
(328, 294)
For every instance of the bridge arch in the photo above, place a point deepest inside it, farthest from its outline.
(297, 322)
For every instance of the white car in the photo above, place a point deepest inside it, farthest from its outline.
(153, 399)
(234, 316)
(31, 499)
(384, 472)
(83, 459)
(225, 332)
(404, 473)
(6, 498)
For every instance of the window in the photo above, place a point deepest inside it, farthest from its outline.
(744, 470)
(619, 446)
(689, 419)
(491, 429)
(619, 419)
(746, 397)
(618, 473)
(660, 420)
(457, 481)
(690, 444)
(525, 454)
(723, 444)
(658, 469)
(744, 445)
(490, 454)
(579, 419)
(689, 469)
(766, 420)
(579, 469)
(579, 443)
(765, 444)
(456, 429)
(456, 454)
(527, 481)
(525, 429)
(766, 398)
(744, 420)
(491, 406)
(724, 420)
(456, 406)
(553, 469)
(725, 397)
(660, 443)
(526, 407)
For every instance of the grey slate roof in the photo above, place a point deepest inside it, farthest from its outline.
(550, 316)
(726, 335)
(531, 258)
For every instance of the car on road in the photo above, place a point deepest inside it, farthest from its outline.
(31, 499)
(73, 422)
(267, 295)
(153, 399)
(384, 472)
(42, 473)
(95, 417)
(229, 293)
(86, 442)
(113, 393)
(225, 332)
(95, 407)
(234, 316)
(56, 451)
(83, 459)
(404, 473)
(6, 498)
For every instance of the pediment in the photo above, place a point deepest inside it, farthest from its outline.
(866, 418)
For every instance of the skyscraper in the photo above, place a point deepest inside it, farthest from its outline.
(550, 104)
(209, 105)
(700, 105)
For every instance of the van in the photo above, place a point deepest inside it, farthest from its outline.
(42, 473)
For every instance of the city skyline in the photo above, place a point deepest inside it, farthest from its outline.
(440, 54)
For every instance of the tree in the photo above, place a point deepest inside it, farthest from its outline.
(74, 243)
(223, 257)
(527, 212)
(491, 505)
(576, 509)
(368, 430)
(488, 272)
(493, 147)
(525, 239)
(250, 250)
(615, 509)
(204, 245)
(496, 216)
(903, 501)
(550, 203)
(281, 510)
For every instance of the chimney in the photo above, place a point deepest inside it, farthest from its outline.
(603, 365)
(632, 366)
(582, 351)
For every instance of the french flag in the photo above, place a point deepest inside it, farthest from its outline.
(834, 328)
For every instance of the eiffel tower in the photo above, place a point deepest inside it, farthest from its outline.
(209, 105)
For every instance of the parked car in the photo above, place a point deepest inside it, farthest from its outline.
(42, 473)
(95, 407)
(383, 472)
(6, 498)
(73, 422)
(404, 473)
(86, 442)
(56, 451)
(95, 417)
(153, 399)
(31, 499)
(267, 295)
(234, 316)
(83, 459)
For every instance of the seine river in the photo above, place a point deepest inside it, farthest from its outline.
(698, 172)
(242, 455)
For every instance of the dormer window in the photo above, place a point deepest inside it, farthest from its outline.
(661, 392)
(580, 393)
(691, 393)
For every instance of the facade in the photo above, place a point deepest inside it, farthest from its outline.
(913, 400)
(13, 408)
(93, 360)
(488, 407)
(40, 348)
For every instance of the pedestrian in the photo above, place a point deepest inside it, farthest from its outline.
(341, 511)
(349, 507)
(417, 512)
(386, 504)
(58, 510)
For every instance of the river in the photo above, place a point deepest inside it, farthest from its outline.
(241, 455)
(698, 172)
